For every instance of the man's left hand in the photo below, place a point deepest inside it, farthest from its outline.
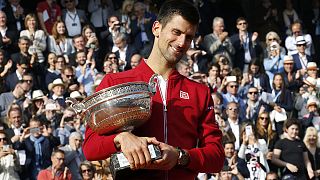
(169, 158)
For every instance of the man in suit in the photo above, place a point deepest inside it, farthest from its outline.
(73, 17)
(301, 59)
(8, 37)
(124, 51)
(23, 44)
(15, 15)
(13, 78)
(245, 44)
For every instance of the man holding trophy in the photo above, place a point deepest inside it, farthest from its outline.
(182, 120)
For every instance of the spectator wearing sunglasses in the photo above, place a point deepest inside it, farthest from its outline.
(301, 59)
(233, 122)
(254, 105)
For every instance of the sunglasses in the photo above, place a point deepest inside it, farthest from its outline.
(296, 32)
(112, 57)
(272, 39)
(230, 108)
(3, 139)
(86, 170)
(244, 23)
(234, 86)
(253, 93)
(264, 118)
(27, 81)
(69, 76)
(299, 45)
(68, 1)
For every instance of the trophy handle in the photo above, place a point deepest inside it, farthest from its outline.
(75, 105)
(153, 84)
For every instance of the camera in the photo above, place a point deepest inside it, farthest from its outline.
(5, 147)
(35, 130)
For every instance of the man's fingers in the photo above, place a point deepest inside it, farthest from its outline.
(152, 140)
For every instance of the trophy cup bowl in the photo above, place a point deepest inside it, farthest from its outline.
(117, 108)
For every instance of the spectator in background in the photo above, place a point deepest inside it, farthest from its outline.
(272, 176)
(246, 45)
(272, 37)
(57, 91)
(68, 75)
(73, 154)
(126, 13)
(233, 122)
(13, 78)
(213, 79)
(38, 39)
(135, 60)
(58, 42)
(258, 77)
(15, 130)
(79, 45)
(183, 68)
(291, 41)
(274, 63)
(218, 41)
(289, 17)
(66, 126)
(301, 59)
(61, 63)
(15, 15)
(51, 73)
(48, 12)
(100, 10)
(90, 37)
(88, 172)
(74, 18)
(254, 105)
(57, 170)
(107, 67)
(8, 37)
(9, 163)
(311, 141)
(5, 67)
(291, 153)
(291, 77)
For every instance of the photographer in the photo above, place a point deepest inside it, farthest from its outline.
(66, 126)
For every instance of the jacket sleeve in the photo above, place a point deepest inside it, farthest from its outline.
(95, 146)
(209, 155)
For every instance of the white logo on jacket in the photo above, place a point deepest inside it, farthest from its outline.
(184, 95)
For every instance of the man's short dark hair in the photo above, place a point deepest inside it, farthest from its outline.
(290, 122)
(56, 151)
(178, 7)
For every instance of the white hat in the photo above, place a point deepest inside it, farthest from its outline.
(37, 94)
(310, 81)
(288, 59)
(76, 95)
(312, 101)
(300, 40)
(56, 82)
(274, 45)
(312, 65)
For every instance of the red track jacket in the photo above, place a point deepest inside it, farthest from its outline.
(190, 125)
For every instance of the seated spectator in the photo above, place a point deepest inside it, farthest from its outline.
(15, 15)
(229, 173)
(22, 66)
(51, 73)
(68, 75)
(233, 122)
(232, 159)
(292, 154)
(58, 42)
(38, 39)
(66, 126)
(51, 114)
(15, 128)
(312, 70)
(9, 38)
(289, 17)
(5, 67)
(254, 105)
(253, 151)
(9, 165)
(291, 77)
(274, 63)
(38, 101)
(135, 60)
(57, 89)
(57, 170)
(79, 45)
(270, 38)
(46, 18)
(213, 79)
(311, 118)
(90, 37)
(87, 171)
(198, 60)
(183, 68)
(73, 154)
(291, 41)
(61, 63)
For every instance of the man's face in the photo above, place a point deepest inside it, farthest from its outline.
(22, 68)
(253, 94)
(120, 43)
(15, 118)
(254, 69)
(81, 58)
(312, 73)
(184, 70)
(242, 25)
(296, 30)
(218, 28)
(232, 111)
(58, 160)
(23, 45)
(35, 124)
(79, 43)
(27, 82)
(58, 90)
(301, 48)
(135, 60)
(174, 39)
(229, 150)
(288, 67)
(67, 76)
(52, 59)
(3, 20)
(76, 141)
(232, 88)
(112, 20)
(70, 4)
(60, 63)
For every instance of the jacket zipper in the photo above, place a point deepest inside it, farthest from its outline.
(165, 120)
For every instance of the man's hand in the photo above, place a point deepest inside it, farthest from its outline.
(223, 36)
(254, 36)
(169, 158)
(135, 149)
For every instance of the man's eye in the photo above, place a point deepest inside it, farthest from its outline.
(176, 32)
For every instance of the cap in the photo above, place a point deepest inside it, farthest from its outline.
(300, 40)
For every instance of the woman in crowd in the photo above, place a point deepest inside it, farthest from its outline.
(61, 63)
(126, 14)
(273, 37)
(311, 141)
(258, 77)
(37, 36)
(253, 151)
(58, 42)
(281, 100)
(265, 132)
(9, 165)
(291, 153)
(90, 37)
(213, 79)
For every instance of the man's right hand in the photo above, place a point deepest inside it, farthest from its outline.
(135, 148)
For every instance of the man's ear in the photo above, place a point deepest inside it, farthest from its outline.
(156, 28)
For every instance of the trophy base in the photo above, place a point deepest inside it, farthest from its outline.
(120, 167)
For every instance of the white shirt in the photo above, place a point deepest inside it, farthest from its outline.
(17, 131)
(73, 23)
(19, 75)
(303, 60)
(236, 131)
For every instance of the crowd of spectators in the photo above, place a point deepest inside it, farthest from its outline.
(263, 78)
